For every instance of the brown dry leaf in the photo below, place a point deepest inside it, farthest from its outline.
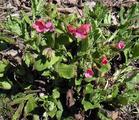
(90, 4)
(69, 98)
(70, 1)
(17, 2)
(67, 10)
(114, 115)
(107, 2)
(72, 10)
(79, 13)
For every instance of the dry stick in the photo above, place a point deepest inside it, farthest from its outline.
(66, 10)
(133, 27)
(106, 86)
(2, 14)
(50, 1)
(32, 91)
(25, 7)
(17, 2)
(80, 2)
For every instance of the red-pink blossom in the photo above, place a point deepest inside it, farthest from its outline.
(121, 45)
(104, 60)
(41, 26)
(89, 73)
(79, 32)
(71, 29)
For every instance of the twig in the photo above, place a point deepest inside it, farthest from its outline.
(133, 27)
(66, 10)
(106, 86)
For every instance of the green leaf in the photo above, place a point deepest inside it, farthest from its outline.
(1, 74)
(46, 73)
(52, 61)
(34, 8)
(3, 65)
(14, 25)
(88, 88)
(84, 45)
(78, 82)
(26, 18)
(21, 99)
(30, 106)
(5, 85)
(7, 39)
(121, 15)
(112, 36)
(28, 58)
(18, 112)
(134, 80)
(107, 19)
(59, 105)
(115, 91)
(132, 96)
(102, 116)
(105, 68)
(36, 117)
(58, 115)
(65, 71)
(122, 100)
(56, 94)
(45, 116)
(40, 5)
(90, 79)
(37, 7)
(40, 66)
(87, 105)
(135, 50)
(52, 109)
(63, 39)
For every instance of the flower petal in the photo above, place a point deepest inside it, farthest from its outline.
(49, 26)
(71, 29)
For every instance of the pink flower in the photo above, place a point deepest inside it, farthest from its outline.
(104, 60)
(71, 29)
(41, 26)
(121, 45)
(89, 73)
(49, 26)
(79, 32)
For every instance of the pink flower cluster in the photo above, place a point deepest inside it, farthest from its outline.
(79, 32)
(89, 72)
(41, 26)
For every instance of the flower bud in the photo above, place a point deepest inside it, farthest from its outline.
(120, 45)
(104, 60)
(48, 52)
(89, 73)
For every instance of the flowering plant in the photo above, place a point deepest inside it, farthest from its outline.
(80, 32)
(54, 70)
